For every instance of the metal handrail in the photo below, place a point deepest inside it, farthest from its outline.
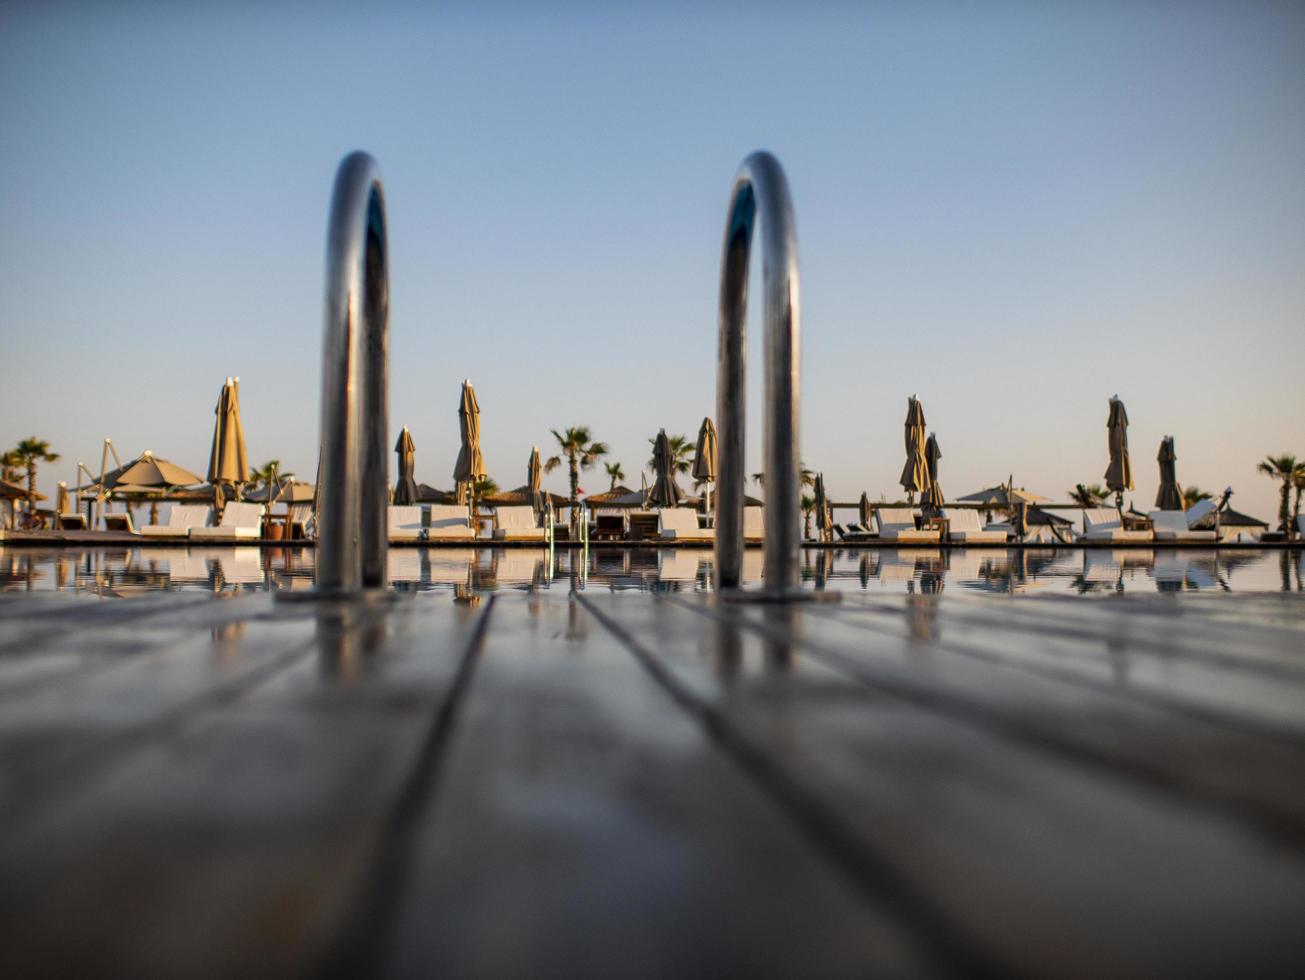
(760, 186)
(351, 537)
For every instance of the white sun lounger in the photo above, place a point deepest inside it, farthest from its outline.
(754, 524)
(1102, 524)
(681, 524)
(963, 528)
(403, 523)
(450, 522)
(240, 521)
(1173, 525)
(517, 524)
(119, 522)
(181, 519)
(898, 524)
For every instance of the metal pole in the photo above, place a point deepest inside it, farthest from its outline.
(759, 186)
(354, 421)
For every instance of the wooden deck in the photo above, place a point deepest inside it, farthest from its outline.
(588, 784)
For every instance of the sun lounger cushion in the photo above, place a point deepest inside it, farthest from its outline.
(239, 520)
(1172, 525)
(518, 524)
(180, 520)
(1102, 524)
(450, 522)
(963, 527)
(898, 524)
(403, 523)
(681, 524)
(1198, 511)
(119, 522)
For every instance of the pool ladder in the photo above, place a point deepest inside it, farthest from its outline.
(351, 517)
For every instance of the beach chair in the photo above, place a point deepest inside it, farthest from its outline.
(181, 519)
(517, 524)
(963, 528)
(1173, 525)
(1102, 524)
(300, 516)
(404, 523)
(754, 525)
(898, 524)
(450, 522)
(119, 522)
(681, 524)
(240, 522)
(609, 525)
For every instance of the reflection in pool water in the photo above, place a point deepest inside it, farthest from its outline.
(468, 572)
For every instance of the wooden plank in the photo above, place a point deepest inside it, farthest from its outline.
(584, 826)
(1050, 867)
(1240, 680)
(239, 841)
(1247, 773)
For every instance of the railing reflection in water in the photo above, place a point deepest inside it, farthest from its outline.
(470, 572)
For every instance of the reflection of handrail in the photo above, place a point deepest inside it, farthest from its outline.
(759, 186)
(351, 515)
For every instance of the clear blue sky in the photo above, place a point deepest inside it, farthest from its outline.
(1013, 211)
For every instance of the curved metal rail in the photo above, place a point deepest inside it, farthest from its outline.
(351, 536)
(760, 186)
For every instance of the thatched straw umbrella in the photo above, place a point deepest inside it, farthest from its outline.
(470, 466)
(915, 475)
(1170, 494)
(405, 489)
(1119, 474)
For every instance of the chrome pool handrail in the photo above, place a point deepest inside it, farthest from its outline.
(759, 186)
(351, 516)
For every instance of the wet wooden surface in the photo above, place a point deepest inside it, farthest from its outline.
(554, 783)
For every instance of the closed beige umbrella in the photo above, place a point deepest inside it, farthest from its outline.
(1119, 474)
(405, 490)
(534, 482)
(822, 507)
(933, 496)
(470, 466)
(864, 510)
(1170, 494)
(915, 475)
(228, 462)
(704, 460)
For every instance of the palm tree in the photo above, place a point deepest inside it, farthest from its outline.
(681, 454)
(1287, 469)
(1193, 495)
(270, 477)
(1299, 483)
(615, 472)
(806, 477)
(485, 486)
(27, 454)
(581, 452)
(11, 467)
(1092, 495)
(808, 504)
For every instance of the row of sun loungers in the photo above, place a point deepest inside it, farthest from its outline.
(240, 522)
